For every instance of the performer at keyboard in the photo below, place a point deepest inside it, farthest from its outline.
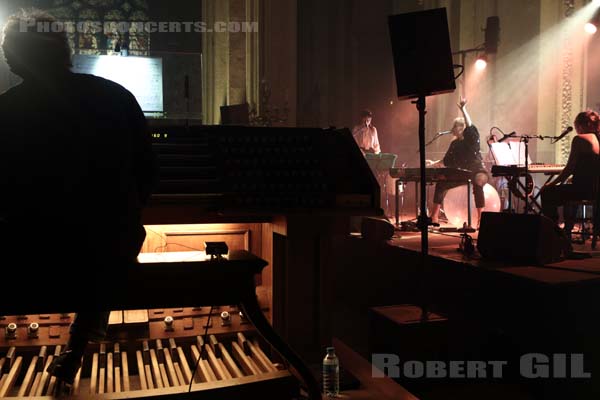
(464, 153)
(76, 169)
(365, 134)
(583, 165)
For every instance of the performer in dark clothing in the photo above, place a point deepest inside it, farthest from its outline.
(583, 165)
(464, 153)
(76, 168)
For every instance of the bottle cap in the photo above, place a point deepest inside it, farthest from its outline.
(330, 349)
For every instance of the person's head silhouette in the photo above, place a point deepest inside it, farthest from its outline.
(35, 45)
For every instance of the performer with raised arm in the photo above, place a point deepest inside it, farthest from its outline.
(464, 153)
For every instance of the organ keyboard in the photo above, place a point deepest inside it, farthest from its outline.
(185, 278)
(150, 368)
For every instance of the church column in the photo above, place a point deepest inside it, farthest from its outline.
(229, 55)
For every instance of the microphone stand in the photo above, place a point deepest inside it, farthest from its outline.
(436, 137)
(525, 139)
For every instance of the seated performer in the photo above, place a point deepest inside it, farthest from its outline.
(463, 153)
(583, 164)
(365, 134)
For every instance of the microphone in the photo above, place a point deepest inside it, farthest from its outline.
(564, 133)
(443, 133)
(504, 137)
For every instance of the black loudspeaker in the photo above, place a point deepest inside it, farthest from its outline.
(520, 238)
(422, 56)
(492, 35)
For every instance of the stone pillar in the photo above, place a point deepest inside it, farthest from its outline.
(560, 102)
(279, 54)
(229, 58)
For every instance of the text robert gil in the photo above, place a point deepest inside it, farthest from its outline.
(531, 365)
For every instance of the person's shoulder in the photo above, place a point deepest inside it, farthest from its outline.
(8, 97)
(582, 138)
(585, 139)
(100, 83)
(471, 131)
(9, 92)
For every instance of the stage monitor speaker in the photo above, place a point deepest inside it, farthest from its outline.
(519, 238)
(422, 56)
(377, 229)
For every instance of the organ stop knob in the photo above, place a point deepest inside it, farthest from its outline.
(11, 331)
(168, 323)
(33, 330)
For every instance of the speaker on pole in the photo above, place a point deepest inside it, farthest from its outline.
(422, 56)
(520, 238)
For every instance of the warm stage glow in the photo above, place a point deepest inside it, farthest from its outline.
(456, 199)
(590, 28)
(522, 73)
(480, 64)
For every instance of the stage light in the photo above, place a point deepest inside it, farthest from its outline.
(481, 63)
(592, 25)
(590, 28)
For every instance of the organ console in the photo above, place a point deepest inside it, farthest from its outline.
(232, 364)
(271, 192)
(205, 348)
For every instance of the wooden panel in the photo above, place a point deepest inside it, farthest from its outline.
(236, 239)
(239, 236)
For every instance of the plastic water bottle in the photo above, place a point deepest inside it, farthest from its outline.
(331, 373)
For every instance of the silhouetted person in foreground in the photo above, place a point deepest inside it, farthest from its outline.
(76, 168)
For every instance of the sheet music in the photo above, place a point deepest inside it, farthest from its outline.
(142, 76)
(518, 151)
(502, 154)
(506, 154)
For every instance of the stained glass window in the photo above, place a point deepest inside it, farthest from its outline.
(90, 38)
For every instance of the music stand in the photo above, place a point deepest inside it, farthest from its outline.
(381, 164)
(517, 156)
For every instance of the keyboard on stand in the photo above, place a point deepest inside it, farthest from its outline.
(404, 175)
(519, 170)
(522, 190)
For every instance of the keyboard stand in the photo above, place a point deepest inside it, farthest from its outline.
(400, 181)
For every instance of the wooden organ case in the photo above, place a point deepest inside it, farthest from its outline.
(277, 197)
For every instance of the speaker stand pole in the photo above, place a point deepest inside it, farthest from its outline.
(423, 220)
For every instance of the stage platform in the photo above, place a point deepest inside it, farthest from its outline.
(494, 310)
(445, 246)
